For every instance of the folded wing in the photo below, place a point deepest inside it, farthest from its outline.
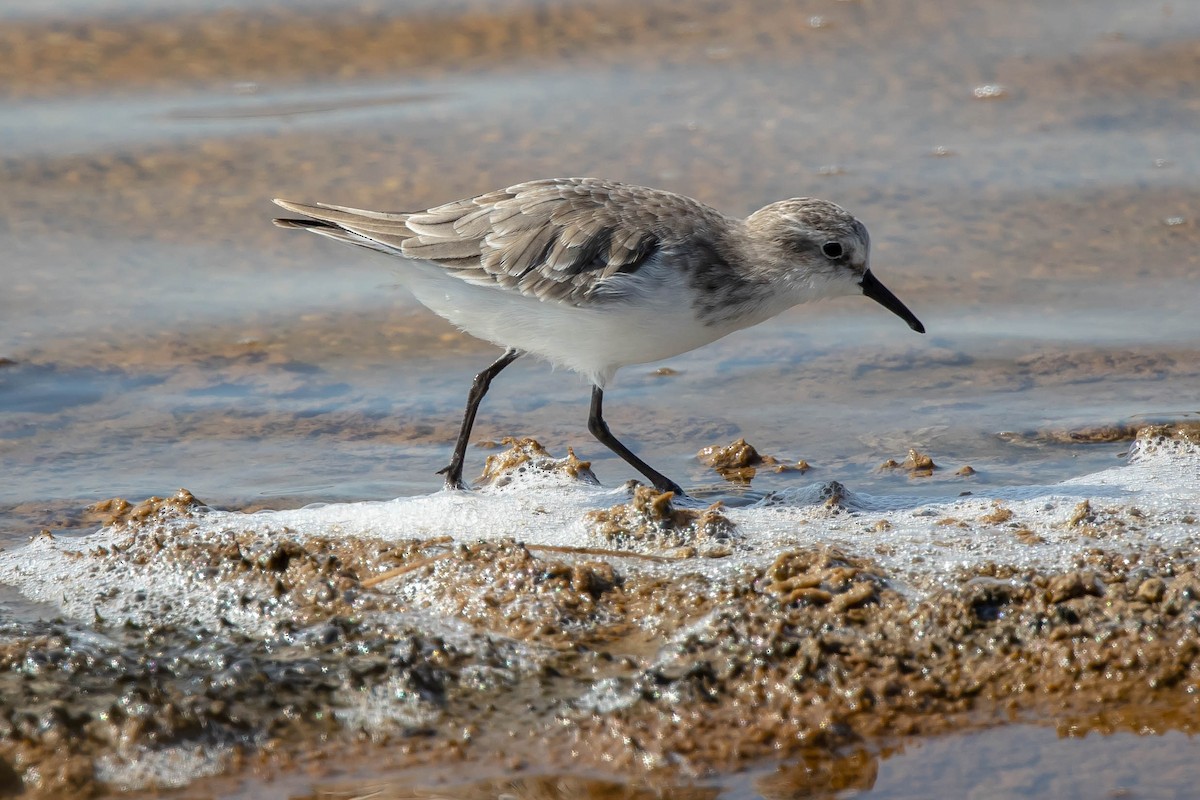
(575, 240)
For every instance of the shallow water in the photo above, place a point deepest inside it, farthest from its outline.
(1017, 762)
(157, 332)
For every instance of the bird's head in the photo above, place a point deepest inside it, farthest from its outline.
(822, 251)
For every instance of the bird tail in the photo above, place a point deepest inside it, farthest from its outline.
(384, 231)
(303, 224)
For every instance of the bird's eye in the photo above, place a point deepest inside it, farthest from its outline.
(832, 249)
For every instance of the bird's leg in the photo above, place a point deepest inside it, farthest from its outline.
(599, 429)
(483, 380)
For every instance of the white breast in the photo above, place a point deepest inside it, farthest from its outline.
(655, 323)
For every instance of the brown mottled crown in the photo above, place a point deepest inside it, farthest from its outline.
(801, 226)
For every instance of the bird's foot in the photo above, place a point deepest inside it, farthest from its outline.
(454, 481)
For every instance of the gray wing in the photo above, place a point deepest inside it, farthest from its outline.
(577, 240)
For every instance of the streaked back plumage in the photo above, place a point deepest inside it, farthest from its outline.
(566, 240)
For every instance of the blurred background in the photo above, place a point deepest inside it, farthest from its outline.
(1029, 171)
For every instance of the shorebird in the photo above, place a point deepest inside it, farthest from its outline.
(593, 275)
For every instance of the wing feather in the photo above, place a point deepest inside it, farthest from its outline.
(436, 249)
(575, 240)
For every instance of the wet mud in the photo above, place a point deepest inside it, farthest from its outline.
(637, 658)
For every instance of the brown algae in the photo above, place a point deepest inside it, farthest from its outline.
(739, 461)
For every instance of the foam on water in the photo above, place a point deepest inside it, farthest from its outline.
(131, 572)
(168, 768)
(917, 540)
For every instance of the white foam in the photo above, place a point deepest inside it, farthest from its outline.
(166, 768)
(927, 541)
(1149, 503)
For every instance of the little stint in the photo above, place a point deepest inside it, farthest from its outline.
(593, 275)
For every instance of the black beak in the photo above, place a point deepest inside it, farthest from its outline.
(875, 290)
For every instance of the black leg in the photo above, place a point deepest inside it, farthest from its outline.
(599, 429)
(479, 388)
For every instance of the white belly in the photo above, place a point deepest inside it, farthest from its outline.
(594, 341)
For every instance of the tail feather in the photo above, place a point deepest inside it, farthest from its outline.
(302, 223)
(344, 215)
(376, 230)
(337, 233)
